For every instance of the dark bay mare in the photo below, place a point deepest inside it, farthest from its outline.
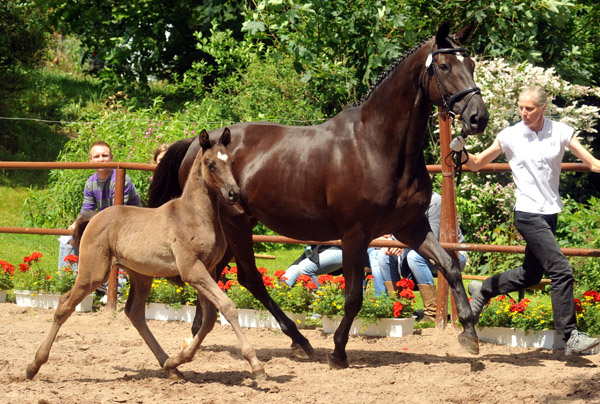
(358, 176)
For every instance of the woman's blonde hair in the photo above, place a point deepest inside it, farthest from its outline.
(540, 97)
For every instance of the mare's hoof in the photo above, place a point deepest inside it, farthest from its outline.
(30, 373)
(259, 374)
(336, 364)
(471, 344)
(305, 351)
(175, 374)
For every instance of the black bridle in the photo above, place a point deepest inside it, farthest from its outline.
(448, 99)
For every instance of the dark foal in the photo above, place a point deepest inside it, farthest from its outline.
(181, 238)
(358, 176)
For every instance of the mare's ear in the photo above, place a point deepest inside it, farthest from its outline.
(204, 140)
(440, 37)
(225, 137)
(462, 35)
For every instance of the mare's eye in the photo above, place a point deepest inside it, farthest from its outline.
(444, 67)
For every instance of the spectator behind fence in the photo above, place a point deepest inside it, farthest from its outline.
(99, 193)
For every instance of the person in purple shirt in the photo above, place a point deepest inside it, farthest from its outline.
(99, 193)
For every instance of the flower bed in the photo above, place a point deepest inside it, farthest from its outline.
(28, 298)
(262, 318)
(383, 327)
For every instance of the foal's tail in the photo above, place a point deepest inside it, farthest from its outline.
(165, 181)
(79, 226)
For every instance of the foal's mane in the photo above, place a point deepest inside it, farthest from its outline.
(453, 42)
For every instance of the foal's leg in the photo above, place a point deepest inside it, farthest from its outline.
(85, 284)
(135, 309)
(239, 236)
(431, 250)
(210, 295)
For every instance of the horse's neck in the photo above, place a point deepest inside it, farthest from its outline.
(399, 109)
(198, 197)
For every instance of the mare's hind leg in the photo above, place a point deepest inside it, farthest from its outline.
(239, 236)
(135, 309)
(431, 250)
(84, 285)
(210, 295)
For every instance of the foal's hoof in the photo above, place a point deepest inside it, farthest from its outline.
(336, 364)
(305, 351)
(30, 373)
(471, 344)
(259, 374)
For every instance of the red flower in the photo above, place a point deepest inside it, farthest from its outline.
(407, 294)
(268, 281)
(369, 277)
(222, 285)
(593, 294)
(23, 267)
(341, 281)
(578, 305)
(500, 298)
(519, 307)
(262, 270)
(48, 277)
(327, 278)
(225, 271)
(279, 273)
(8, 268)
(303, 279)
(71, 259)
(406, 283)
(310, 285)
(233, 270)
(397, 309)
(35, 256)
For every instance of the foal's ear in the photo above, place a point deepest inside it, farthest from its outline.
(462, 35)
(204, 140)
(443, 31)
(225, 137)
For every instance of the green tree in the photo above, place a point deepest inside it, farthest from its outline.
(140, 39)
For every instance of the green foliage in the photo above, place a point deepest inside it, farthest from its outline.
(578, 227)
(505, 312)
(587, 311)
(141, 39)
(295, 299)
(23, 28)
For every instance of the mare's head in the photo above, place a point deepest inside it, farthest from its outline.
(217, 163)
(448, 80)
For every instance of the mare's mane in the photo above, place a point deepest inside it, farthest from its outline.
(451, 40)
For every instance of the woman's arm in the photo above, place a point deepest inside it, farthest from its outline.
(584, 155)
(479, 160)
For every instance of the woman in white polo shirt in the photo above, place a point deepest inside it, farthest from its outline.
(534, 148)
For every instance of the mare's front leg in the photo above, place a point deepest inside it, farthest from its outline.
(353, 259)
(239, 236)
(431, 250)
(135, 309)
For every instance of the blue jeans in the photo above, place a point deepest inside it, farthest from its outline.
(64, 250)
(381, 269)
(542, 254)
(329, 261)
(421, 268)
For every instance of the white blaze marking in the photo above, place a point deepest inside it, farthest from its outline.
(222, 156)
(460, 58)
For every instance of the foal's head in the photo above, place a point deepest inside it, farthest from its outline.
(216, 166)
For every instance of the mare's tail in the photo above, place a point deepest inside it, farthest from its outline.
(79, 226)
(165, 181)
